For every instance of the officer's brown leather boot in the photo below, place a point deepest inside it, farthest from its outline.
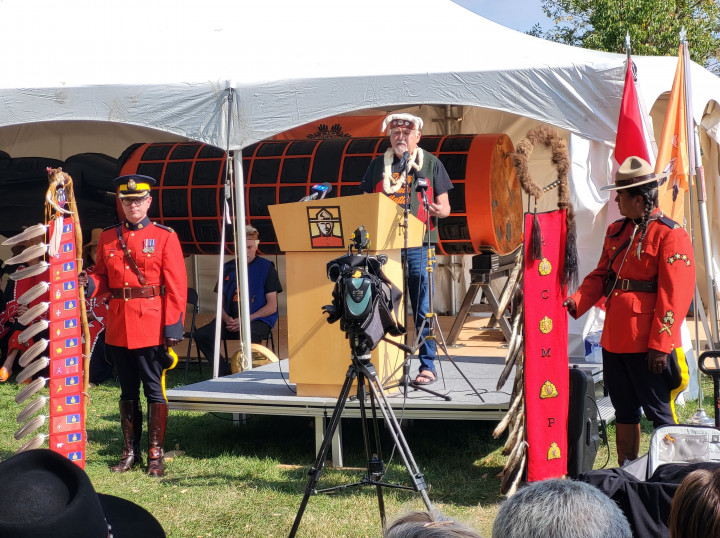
(157, 420)
(131, 422)
(627, 439)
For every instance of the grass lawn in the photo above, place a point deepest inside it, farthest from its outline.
(227, 480)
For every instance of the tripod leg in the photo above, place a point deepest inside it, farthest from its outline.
(316, 469)
(378, 395)
(375, 466)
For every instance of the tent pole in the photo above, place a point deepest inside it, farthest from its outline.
(242, 256)
(707, 249)
(694, 154)
(219, 300)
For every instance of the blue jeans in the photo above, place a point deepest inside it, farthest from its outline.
(418, 289)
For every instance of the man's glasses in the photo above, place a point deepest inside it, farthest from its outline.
(399, 132)
(133, 201)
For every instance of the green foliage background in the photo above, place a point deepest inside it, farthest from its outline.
(654, 26)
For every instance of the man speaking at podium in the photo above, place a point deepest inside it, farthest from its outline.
(405, 164)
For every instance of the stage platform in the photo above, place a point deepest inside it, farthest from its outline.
(478, 356)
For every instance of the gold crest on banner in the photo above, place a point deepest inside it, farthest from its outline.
(544, 268)
(546, 325)
(548, 390)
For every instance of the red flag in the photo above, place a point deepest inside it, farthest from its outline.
(673, 153)
(630, 139)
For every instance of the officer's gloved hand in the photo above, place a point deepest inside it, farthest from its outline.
(570, 305)
(657, 360)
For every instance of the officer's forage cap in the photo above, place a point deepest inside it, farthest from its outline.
(133, 186)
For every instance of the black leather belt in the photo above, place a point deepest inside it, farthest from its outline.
(137, 293)
(624, 284)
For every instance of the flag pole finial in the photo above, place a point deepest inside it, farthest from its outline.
(683, 35)
(627, 44)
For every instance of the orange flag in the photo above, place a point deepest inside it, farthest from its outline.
(673, 152)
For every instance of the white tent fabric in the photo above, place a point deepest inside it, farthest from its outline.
(165, 65)
(83, 77)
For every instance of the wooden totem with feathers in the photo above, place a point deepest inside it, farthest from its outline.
(56, 321)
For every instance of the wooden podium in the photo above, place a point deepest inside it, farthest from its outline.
(311, 234)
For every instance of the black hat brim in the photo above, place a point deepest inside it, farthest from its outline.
(129, 520)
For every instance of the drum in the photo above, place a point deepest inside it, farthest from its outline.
(486, 199)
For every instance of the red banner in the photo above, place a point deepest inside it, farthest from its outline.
(546, 350)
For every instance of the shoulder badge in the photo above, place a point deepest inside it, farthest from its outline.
(670, 223)
(166, 228)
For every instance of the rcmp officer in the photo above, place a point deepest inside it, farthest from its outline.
(647, 273)
(140, 267)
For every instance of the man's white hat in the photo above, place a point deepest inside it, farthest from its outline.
(402, 120)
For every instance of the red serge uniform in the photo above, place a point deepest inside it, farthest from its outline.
(140, 265)
(143, 321)
(636, 320)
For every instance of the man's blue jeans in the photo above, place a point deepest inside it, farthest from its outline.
(418, 289)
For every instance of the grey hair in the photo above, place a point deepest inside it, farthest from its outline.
(559, 509)
(428, 524)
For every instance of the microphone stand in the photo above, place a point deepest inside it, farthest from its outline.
(405, 380)
(430, 320)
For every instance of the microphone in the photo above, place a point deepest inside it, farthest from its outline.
(317, 192)
(422, 185)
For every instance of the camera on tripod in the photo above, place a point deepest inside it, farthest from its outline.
(365, 301)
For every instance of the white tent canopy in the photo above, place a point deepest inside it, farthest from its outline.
(165, 65)
(82, 77)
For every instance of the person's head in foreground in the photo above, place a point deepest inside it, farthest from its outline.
(45, 494)
(695, 511)
(560, 509)
(424, 524)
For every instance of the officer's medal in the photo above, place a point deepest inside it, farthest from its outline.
(148, 246)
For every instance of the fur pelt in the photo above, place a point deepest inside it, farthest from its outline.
(560, 158)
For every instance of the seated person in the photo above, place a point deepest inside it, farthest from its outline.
(264, 286)
(695, 509)
(558, 508)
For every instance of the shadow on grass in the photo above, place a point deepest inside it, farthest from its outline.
(455, 456)
(459, 459)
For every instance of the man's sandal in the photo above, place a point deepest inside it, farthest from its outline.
(425, 378)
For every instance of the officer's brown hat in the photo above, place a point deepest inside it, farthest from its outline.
(633, 171)
(133, 186)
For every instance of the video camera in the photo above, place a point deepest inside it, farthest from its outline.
(364, 300)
